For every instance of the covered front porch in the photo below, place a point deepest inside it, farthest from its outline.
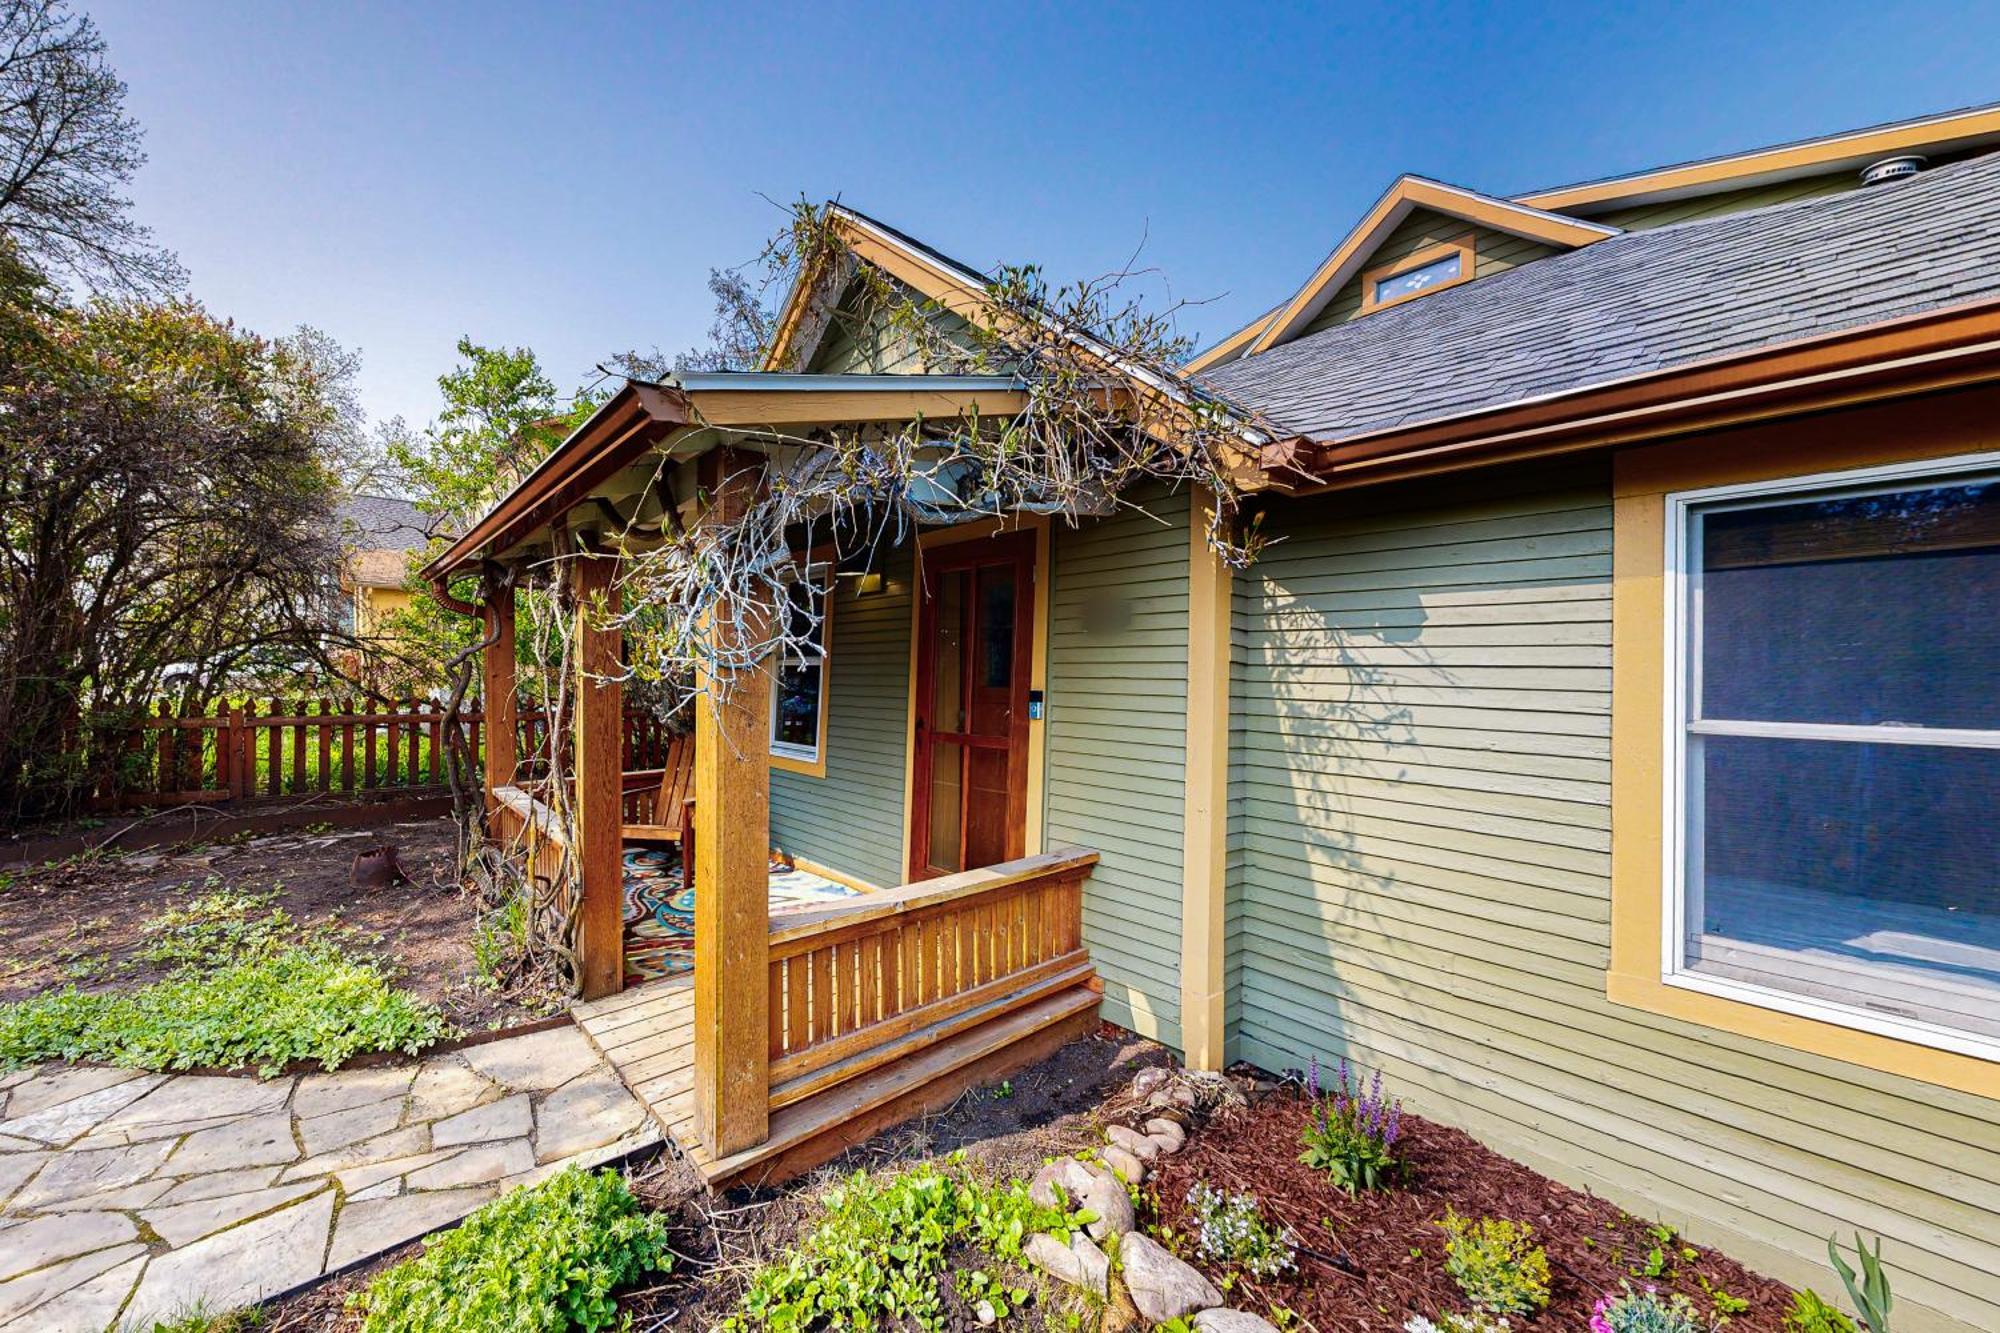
(767, 1008)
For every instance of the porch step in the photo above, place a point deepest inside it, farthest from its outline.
(647, 1034)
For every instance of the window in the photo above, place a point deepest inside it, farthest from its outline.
(1419, 279)
(798, 700)
(1429, 269)
(1834, 775)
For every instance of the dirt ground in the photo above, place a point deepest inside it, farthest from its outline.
(1366, 1264)
(1042, 1112)
(81, 920)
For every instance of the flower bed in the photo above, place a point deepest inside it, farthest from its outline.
(1375, 1259)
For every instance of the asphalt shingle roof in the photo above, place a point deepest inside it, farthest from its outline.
(382, 523)
(1642, 301)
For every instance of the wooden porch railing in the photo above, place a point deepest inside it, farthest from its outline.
(529, 829)
(857, 985)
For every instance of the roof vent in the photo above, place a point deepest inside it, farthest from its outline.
(1891, 169)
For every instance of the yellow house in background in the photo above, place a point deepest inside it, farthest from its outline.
(378, 533)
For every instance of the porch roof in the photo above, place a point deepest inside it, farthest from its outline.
(686, 417)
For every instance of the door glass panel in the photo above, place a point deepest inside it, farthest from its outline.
(948, 655)
(986, 811)
(993, 693)
(947, 790)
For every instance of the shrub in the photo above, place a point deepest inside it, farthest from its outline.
(1351, 1132)
(539, 1260)
(878, 1254)
(1647, 1311)
(305, 1002)
(1496, 1263)
(1230, 1229)
(1811, 1314)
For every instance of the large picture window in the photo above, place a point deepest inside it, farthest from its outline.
(798, 698)
(1834, 778)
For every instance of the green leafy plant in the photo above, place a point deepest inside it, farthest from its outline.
(1647, 1311)
(1351, 1131)
(878, 1255)
(1496, 1263)
(303, 1002)
(1810, 1313)
(539, 1260)
(1180, 1323)
(214, 928)
(1870, 1289)
(1230, 1229)
(1726, 1305)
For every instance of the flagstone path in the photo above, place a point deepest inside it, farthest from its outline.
(126, 1197)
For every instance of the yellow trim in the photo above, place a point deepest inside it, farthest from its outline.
(1205, 810)
(1406, 195)
(816, 766)
(1859, 147)
(750, 408)
(1229, 347)
(1940, 427)
(1463, 246)
(1038, 670)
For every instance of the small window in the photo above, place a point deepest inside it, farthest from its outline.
(1422, 279)
(1430, 269)
(1835, 782)
(798, 700)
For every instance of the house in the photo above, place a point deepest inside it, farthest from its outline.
(377, 535)
(1603, 745)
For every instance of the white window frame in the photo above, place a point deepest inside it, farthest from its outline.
(1680, 880)
(821, 575)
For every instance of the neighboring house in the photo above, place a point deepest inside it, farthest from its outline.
(1606, 744)
(377, 535)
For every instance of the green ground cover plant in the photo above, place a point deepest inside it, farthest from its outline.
(544, 1259)
(1496, 1263)
(880, 1252)
(243, 990)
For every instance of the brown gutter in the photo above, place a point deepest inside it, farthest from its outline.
(628, 424)
(1937, 349)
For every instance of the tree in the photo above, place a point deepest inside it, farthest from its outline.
(68, 152)
(166, 499)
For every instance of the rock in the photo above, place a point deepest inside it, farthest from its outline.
(1084, 1186)
(508, 1118)
(1132, 1141)
(1167, 1133)
(1149, 1081)
(1183, 1096)
(1232, 1321)
(1124, 1163)
(1079, 1263)
(1162, 1286)
(239, 1266)
(258, 1140)
(984, 1313)
(535, 1062)
(587, 1112)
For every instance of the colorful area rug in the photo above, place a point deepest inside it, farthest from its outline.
(659, 913)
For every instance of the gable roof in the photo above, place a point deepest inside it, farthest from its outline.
(381, 523)
(1408, 194)
(1639, 303)
(1970, 129)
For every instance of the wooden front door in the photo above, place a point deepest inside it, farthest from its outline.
(975, 643)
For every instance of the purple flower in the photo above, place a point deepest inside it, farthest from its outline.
(1312, 1077)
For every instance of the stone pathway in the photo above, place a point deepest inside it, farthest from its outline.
(126, 1197)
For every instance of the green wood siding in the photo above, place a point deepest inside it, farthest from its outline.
(859, 341)
(1493, 252)
(1117, 746)
(852, 819)
(1639, 217)
(1424, 754)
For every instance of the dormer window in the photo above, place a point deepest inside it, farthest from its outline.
(1430, 269)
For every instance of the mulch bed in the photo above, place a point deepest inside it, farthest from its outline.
(1369, 1263)
(82, 920)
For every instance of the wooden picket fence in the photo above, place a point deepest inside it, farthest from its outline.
(287, 747)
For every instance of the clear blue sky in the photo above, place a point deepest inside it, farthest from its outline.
(564, 176)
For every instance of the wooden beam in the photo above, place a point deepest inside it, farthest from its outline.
(1205, 813)
(497, 691)
(732, 876)
(599, 765)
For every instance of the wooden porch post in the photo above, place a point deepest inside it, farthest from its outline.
(497, 690)
(732, 841)
(599, 767)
